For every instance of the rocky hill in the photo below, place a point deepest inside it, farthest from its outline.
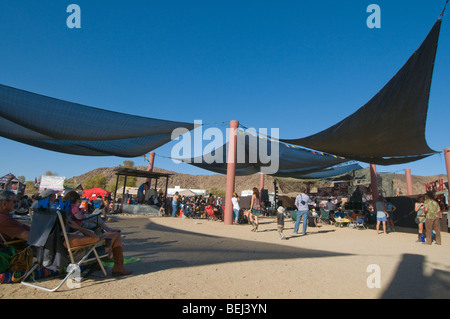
(218, 182)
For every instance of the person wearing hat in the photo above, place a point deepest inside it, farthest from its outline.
(48, 193)
(281, 214)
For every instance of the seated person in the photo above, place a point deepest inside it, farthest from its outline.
(88, 237)
(312, 219)
(10, 228)
(151, 196)
(355, 215)
(142, 190)
(78, 215)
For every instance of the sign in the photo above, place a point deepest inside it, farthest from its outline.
(435, 186)
(52, 182)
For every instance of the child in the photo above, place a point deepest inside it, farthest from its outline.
(280, 221)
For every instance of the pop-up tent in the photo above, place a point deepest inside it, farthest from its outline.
(95, 192)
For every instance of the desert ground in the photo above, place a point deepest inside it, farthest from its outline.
(205, 259)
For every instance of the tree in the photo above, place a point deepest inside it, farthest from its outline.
(30, 187)
(128, 164)
(95, 181)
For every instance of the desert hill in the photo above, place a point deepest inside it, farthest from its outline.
(218, 182)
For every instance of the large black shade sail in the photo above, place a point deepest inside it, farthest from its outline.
(73, 128)
(390, 128)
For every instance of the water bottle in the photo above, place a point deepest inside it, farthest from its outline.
(423, 238)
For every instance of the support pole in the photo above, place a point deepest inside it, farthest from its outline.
(261, 181)
(408, 181)
(231, 172)
(151, 161)
(447, 164)
(374, 182)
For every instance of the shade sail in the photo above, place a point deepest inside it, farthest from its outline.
(390, 128)
(326, 173)
(289, 160)
(73, 128)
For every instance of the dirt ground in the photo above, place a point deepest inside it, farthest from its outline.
(202, 259)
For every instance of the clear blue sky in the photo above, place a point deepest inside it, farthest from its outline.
(300, 66)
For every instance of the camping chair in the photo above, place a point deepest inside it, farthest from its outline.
(210, 212)
(325, 216)
(10, 242)
(47, 236)
(359, 223)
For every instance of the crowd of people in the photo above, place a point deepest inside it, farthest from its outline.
(82, 228)
(88, 216)
(196, 206)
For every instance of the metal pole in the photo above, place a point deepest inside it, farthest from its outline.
(374, 182)
(151, 161)
(231, 172)
(447, 164)
(408, 181)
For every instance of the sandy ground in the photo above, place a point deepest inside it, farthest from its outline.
(201, 259)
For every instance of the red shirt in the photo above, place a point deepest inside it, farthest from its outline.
(11, 228)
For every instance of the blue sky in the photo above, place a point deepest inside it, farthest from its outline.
(300, 66)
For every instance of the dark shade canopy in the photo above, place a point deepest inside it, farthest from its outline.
(293, 161)
(390, 128)
(73, 128)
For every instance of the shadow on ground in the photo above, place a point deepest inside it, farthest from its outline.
(162, 247)
(411, 281)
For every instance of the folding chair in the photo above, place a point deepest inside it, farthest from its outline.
(325, 216)
(48, 235)
(360, 223)
(5, 242)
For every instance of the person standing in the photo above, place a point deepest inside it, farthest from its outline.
(390, 208)
(420, 217)
(236, 207)
(382, 214)
(301, 202)
(433, 215)
(281, 214)
(175, 200)
(255, 209)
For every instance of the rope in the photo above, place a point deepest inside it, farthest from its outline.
(443, 11)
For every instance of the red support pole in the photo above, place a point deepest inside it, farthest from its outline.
(151, 161)
(374, 182)
(447, 163)
(408, 181)
(261, 181)
(231, 173)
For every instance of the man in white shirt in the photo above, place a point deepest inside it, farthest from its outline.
(301, 202)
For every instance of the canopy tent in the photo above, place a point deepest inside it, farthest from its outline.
(73, 128)
(390, 128)
(95, 192)
(186, 192)
(7, 177)
(293, 161)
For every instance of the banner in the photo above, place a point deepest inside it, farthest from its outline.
(52, 182)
